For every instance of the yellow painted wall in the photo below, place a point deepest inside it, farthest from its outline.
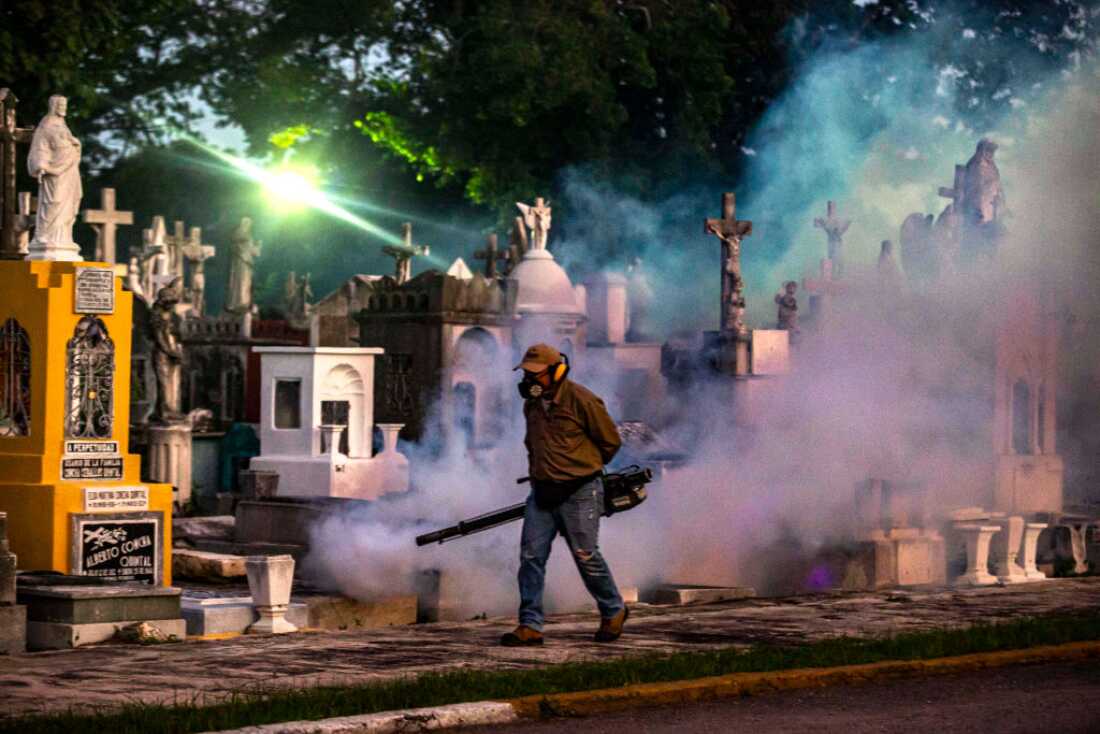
(40, 296)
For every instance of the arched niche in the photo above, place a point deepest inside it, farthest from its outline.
(342, 400)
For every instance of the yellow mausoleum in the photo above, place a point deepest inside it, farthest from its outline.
(74, 496)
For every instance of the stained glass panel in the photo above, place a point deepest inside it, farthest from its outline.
(15, 380)
(90, 380)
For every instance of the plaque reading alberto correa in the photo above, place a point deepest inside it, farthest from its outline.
(121, 547)
(94, 290)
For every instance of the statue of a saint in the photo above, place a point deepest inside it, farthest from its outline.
(244, 252)
(787, 318)
(983, 197)
(167, 351)
(537, 218)
(54, 160)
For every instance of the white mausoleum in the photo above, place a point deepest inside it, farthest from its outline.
(317, 421)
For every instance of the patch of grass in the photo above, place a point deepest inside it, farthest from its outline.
(266, 707)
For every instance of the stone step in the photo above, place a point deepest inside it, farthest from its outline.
(93, 604)
(63, 636)
(196, 564)
(681, 594)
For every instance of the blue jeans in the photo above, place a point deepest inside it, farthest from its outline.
(578, 521)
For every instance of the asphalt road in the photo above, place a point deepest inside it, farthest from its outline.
(1062, 698)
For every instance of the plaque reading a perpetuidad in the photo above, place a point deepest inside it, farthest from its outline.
(95, 290)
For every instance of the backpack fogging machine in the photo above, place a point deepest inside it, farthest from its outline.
(623, 490)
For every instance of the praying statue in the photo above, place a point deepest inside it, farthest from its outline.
(54, 160)
(787, 318)
(243, 253)
(167, 351)
(538, 219)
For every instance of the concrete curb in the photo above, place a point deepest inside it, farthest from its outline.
(411, 720)
(588, 703)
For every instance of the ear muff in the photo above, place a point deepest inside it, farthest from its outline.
(561, 370)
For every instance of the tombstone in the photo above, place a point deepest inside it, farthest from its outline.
(105, 221)
(301, 387)
(82, 507)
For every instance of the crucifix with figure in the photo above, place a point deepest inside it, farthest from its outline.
(729, 229)
(491, 255)
(10, 137)
(402, 256)
(834, 227)
(197, 254)
(105, 221)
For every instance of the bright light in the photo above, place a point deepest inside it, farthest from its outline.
(293, 187)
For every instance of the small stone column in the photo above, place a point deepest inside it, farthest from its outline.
(1006, 548)
(392, 464)
(170, 458)
(1029, 550)
(978, 538)
(330, 433)
(270, 579)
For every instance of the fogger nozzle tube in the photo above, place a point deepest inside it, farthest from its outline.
(623, 490)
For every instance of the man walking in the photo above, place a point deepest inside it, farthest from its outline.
(569, 438)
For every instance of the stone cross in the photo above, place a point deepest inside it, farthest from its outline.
(834, 228)
(197, 254)
(537, 219)
(517, 243)
(730, 230)
(155, 272)
(402, 256)
(106, 221)
(491, 255)
(10, 137)
(176, 242)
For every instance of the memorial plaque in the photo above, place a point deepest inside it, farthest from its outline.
(116, 499)
(94, 290)
(119, 547)
(92, 467)
(90, 448)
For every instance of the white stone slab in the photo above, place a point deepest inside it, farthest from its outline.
(231, 615)
(681, 594)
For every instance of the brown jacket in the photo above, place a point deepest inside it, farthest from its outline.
(574, 437)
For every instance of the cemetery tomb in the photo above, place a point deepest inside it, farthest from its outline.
(74, 496)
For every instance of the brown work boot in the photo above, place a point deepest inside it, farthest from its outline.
(610, 629)
(522, 636)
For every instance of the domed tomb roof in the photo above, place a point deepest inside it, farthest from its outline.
(542, 286)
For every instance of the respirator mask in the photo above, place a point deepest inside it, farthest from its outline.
(530, 388)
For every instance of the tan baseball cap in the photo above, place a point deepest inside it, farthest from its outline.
(538, 358)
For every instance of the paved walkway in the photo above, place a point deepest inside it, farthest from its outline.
(112, 674)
